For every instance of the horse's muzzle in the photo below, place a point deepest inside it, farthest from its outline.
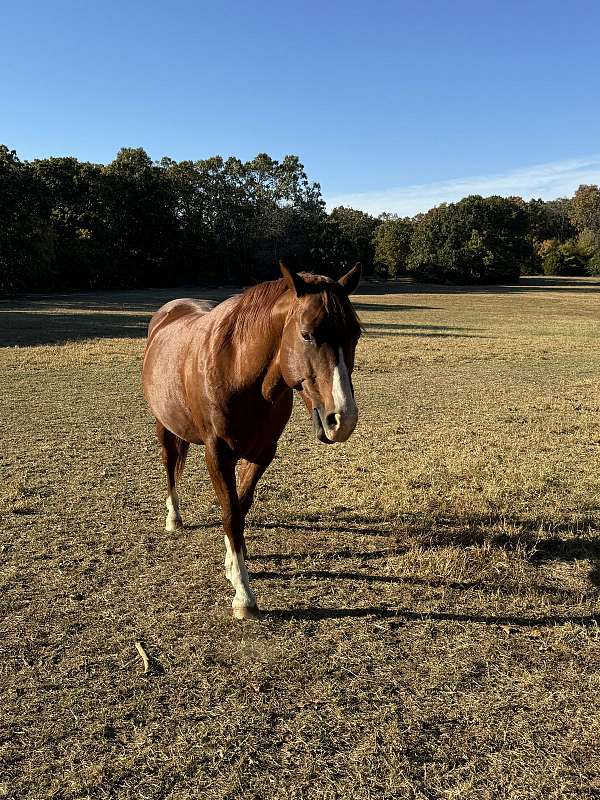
(337, 427)
(318, 428)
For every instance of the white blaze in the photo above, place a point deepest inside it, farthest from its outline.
(341, 389)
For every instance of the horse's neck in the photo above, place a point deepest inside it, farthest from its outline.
(257, 353)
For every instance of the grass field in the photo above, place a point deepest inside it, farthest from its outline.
(430, 589)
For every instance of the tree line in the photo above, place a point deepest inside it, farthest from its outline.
(493, 239)
(68, 225)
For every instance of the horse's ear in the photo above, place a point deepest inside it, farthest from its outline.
(293, 280)
(351, 279)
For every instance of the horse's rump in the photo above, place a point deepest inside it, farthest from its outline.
(166, 367)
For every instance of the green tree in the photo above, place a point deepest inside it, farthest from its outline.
(72, 192)
(593, 265)
(355, 230)
(564, 259)
(588, 242)
(210, 213)
(26, 240)
(477, 240)
(139, 219)
(585, 208)
(549, 219)
(288, 213)
(391, 243)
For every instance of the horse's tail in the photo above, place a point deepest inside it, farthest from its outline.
(182, 451)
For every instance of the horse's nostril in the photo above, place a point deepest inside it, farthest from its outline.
(333, 420)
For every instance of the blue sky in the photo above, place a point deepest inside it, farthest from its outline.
(390, 105)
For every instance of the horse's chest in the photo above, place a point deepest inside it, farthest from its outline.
(253, 425)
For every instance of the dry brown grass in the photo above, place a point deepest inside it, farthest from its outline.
(430, 588)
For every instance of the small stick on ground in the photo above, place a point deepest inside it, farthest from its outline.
(143, 655)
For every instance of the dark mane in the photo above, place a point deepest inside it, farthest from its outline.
(340, 314)
(253, 311)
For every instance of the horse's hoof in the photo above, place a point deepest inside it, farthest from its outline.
(244, 612)
(173, 525)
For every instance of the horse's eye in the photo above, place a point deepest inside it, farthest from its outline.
(306, 336)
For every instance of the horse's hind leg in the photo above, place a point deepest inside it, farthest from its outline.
(173, 452)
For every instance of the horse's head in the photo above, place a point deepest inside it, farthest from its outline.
(317, 350)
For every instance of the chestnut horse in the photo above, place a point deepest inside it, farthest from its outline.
(223, 375)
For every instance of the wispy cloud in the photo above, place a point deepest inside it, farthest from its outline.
(548, 181)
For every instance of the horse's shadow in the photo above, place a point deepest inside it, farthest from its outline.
(465, 532)
(559, 545)
(397, 617)
(410, 580)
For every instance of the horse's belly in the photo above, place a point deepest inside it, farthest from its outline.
(179, 421)
(169, 407)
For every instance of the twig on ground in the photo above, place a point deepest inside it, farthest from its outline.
(143, 655)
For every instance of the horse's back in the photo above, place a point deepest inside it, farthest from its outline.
(183, 308)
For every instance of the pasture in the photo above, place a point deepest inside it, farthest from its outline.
(431, 589)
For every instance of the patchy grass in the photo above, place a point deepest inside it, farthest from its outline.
(431, 588)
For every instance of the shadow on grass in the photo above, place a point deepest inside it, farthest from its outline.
(38, 324)
(398, 329)
(410, 327)
(541, 540)
(430, 335)
(346, 552)
(129, 300)
(541, 536)
(537, 283)
(29, 319)
(409, 580)
(539, 548)
(398, 616)
(27, 328)
(56, 320)
(351, 528)
(391, 307)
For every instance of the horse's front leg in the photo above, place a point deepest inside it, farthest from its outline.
(221, 461)
(249, 474)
